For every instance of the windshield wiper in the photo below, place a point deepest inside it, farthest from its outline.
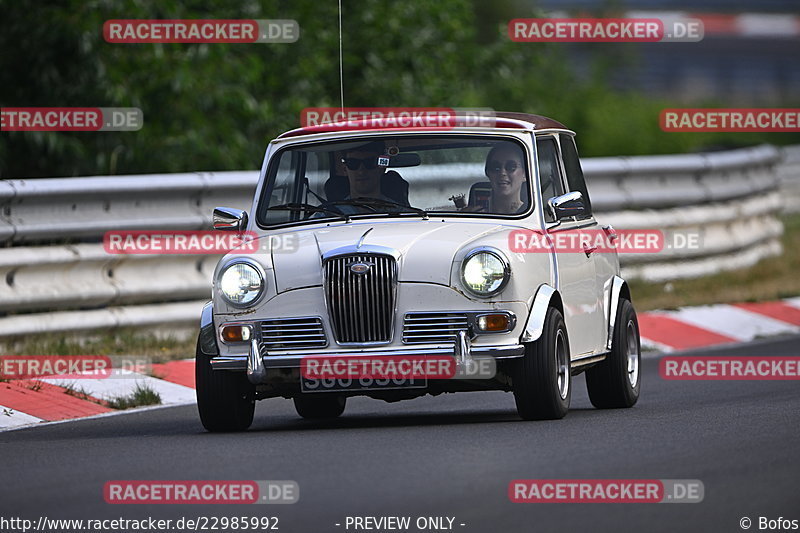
(371, 203)
(296, 206)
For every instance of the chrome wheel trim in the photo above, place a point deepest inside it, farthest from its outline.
(562, 365)
(632, 353)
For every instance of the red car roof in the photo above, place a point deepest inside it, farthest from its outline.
(503, 120)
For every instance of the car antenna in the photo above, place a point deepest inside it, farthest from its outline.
(341, 75)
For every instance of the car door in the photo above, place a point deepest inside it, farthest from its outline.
(575, 269)
(605, 262)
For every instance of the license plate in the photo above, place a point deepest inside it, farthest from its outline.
(359, 384)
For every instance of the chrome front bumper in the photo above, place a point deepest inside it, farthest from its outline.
(255, 364)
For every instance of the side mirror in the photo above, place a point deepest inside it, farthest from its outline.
(229, 219)
(567, 205)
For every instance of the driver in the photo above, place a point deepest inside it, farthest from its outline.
(363, 171)
(365, 177)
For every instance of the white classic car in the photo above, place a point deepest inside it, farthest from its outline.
(379, 243)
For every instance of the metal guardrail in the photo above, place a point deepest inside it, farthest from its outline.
(730, 199)
(56, 277)
(789, 177)
(69, 209)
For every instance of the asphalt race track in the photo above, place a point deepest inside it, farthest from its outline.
(449, 456)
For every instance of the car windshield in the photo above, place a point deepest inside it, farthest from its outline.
(397, 176)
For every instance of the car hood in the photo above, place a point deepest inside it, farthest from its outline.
(426, 248)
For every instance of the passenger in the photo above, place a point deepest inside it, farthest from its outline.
(505, 169)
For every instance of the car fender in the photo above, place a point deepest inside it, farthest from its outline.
(546, 297)
(618, 288)
(207, 341)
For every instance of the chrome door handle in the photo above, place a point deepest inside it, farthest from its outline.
(611, 232)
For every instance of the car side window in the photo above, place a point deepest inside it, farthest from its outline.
(549, 173)
(572, 165)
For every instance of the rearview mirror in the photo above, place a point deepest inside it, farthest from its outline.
(567, 205)
(408, 159)
(229, 219)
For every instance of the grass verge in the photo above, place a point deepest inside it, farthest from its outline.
(141, 395)
(73, 389)
(119, 342)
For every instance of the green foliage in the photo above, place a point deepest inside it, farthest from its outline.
(215, 106)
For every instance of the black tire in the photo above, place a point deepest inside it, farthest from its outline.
(616, 382)
(225, 399)
(542, 384)
(315, 406)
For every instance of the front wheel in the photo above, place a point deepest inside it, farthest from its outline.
(542, 379)
(316, 406)
(225, 399)
(616, 381)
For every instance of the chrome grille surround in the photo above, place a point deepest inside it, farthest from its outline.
(433, 328)
(361, 306)
(296, 333)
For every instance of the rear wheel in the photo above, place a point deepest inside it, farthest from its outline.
(542, 380)
(616, 381)
(315, 406)
(225, 399)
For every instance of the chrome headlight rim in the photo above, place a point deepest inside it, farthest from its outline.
(261, 274)
(503, 260)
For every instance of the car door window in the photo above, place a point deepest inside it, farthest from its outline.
(549, 173)
(572, 166)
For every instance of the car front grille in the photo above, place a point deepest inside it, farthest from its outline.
(292, 334)
(361, 306)
(433, 328)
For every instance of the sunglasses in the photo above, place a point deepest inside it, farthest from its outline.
(353, 163)
(497, 166)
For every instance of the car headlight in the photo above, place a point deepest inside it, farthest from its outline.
(485, 272)
(241, 284)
